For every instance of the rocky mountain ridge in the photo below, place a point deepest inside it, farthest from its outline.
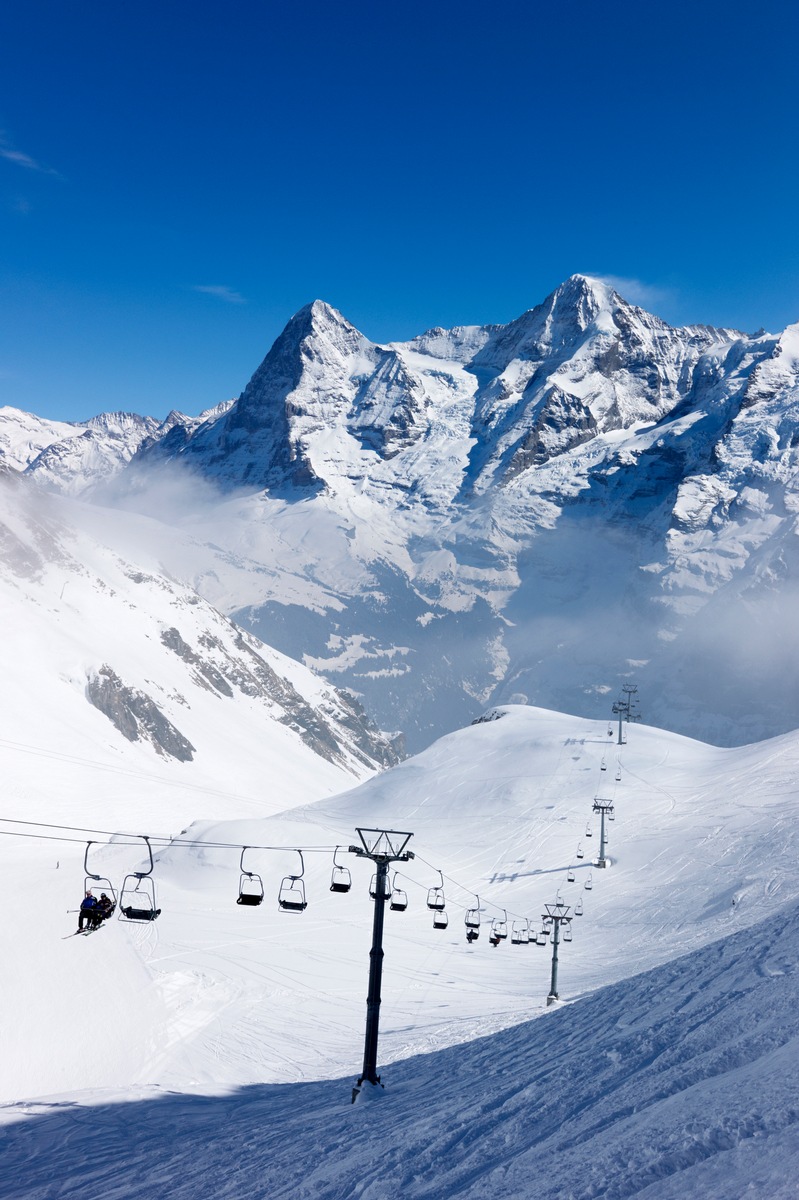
(541, 508)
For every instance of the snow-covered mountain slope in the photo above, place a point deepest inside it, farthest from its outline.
(680, 1079)
(704, 844)
(680, 1082)
(77, 458)
(112, 667)
(23, 436)
(537, 508)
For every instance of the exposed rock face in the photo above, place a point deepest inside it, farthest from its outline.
(136, 715)
(216, 669)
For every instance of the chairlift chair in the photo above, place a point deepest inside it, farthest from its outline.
(578, 908)
(588, 832)
(440, 919)
(100, 882)
(589, 882)
(603, 766)
(618, 775)
(251, 886)
(500, 928)
(542, 937)
(435, 896)
(340, 878)
(373, 887)
(580, 850)
(291, 896)
(567, 933)
(399, 897)
(520, 933)
(610, 731)
(472, 918)
(137, 894)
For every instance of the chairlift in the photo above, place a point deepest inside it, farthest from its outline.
(603, 766)
(440, 919)
(618, 775)
(373, 887)
(580, 850)
(611, 815)
(578, 908)
(588, 832)
(251, 886)
(520, 933)
(610, 731)
(472, 935)
(500, 928)
(137, 895)
(567, 933)
(399, 897)
(472, 918)
(570, 875)
(542, 937)
(493, 939)
(340, 878)
(589, 881)
(291, 897)
(100, 881)
(435, 896)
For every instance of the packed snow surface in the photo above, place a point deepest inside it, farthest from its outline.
(213, 1051)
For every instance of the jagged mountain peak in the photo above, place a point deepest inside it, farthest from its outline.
(319, 320)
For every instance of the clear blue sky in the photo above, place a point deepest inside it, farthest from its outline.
(177, 179)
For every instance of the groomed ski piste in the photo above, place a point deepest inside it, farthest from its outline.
(213, 1052)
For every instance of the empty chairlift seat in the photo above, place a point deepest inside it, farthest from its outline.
(340, 879)
(137, 894)
(435, 896)
(251, 886)
(472, 922)
(399, 897)
(291, 897)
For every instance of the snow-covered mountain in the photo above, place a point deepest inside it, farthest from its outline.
(541, 508)
(112, 667)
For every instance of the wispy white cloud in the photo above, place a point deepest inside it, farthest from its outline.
(221, 292)
(636, 290)
(8, 152)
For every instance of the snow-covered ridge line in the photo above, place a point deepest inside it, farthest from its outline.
(493, 511)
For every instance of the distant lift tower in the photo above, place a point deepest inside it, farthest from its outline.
(624, 708)
(384, 847)
(602, 807)
(554, 916)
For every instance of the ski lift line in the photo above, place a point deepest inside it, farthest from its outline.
(167, 843)
(456, 903)
(469, 890)
(153, 837)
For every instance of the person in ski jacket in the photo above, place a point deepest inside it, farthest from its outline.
(87, 911)
(105, 907)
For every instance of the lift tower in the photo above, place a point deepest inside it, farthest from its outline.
(603, 807)
(383, 847)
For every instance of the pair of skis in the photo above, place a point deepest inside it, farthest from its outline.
(82, 932)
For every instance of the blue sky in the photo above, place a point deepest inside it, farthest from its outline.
(177, 179)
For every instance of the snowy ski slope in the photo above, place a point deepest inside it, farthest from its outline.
(213, 1051)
